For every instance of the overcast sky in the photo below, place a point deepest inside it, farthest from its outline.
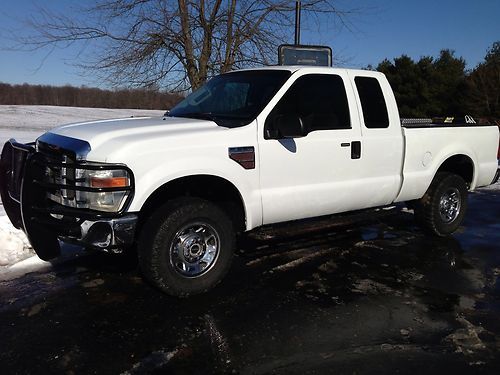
(383, 29)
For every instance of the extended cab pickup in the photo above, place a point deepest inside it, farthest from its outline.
(250, 148)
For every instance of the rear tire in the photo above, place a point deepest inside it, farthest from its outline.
(442, 208)
(186, 246)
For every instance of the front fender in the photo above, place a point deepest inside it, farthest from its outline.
(244, 180)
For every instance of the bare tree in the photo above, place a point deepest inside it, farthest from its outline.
(173, 43)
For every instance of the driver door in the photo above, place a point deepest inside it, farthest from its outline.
(316, 174)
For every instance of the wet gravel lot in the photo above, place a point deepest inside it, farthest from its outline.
(379, 296)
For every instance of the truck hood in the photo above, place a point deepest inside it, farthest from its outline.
(97, 133)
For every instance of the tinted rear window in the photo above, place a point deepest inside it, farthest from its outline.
(372, 102)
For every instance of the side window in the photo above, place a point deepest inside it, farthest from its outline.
(372, 102)
(320, 100)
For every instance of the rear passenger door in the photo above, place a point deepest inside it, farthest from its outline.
(317, 174)
(382, 138)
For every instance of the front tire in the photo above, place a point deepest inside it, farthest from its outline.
(186, 246)
(442, 208)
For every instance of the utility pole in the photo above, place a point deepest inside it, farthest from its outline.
(297, 22)
(297, 54)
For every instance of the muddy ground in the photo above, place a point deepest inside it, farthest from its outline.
(379, 296)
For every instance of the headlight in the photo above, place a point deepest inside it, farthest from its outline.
(109, 201)
(91, 186)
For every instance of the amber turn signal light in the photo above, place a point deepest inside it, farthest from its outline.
(109, 182)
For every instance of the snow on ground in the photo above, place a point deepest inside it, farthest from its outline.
(14, 245)
(25, 123)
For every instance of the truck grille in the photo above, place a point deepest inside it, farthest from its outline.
(61, 171)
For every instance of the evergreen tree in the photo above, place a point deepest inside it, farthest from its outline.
(484, 85)
(429, 87)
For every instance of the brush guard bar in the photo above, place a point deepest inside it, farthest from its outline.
(25, 190)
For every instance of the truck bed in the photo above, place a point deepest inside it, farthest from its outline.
(428, 145)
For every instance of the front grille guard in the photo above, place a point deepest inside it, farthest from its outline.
(12, 164)
(24, 190)
(18, 157)
(55, 208)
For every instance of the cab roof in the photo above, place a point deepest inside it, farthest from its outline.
(308, 68)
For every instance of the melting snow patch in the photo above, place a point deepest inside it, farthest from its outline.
(19, 269)
(297, 262)
(368, 286)
(467, 339)
(154, 361)
(14, 246)
(17, 257)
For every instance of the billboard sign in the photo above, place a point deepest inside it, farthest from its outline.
(291, 54)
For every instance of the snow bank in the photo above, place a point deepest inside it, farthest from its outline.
(25, 123)
(23, 267)
(14, 245)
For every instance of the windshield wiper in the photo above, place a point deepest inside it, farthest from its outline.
(199, 115)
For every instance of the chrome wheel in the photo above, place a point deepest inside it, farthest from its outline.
(194, 249)
(449, 205)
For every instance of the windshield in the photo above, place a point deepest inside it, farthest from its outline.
(232, 99)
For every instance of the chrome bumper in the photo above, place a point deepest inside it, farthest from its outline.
(111, 235)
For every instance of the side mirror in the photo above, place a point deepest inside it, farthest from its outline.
(287, 126)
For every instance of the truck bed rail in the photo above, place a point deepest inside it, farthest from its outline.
(441, 122)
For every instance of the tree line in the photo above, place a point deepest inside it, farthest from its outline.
(26, 94)
(432, 87)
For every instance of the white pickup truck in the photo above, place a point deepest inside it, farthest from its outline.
(251, 147)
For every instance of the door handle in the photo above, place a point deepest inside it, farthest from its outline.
(355, 149)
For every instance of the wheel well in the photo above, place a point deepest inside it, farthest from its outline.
(461, 165)
(212, 188)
